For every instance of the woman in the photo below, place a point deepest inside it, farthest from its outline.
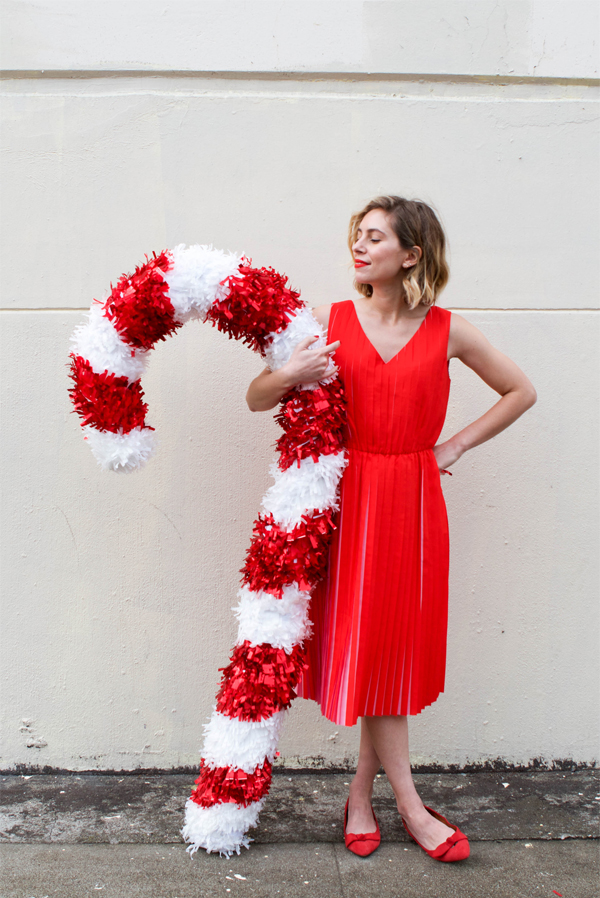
(380, 617)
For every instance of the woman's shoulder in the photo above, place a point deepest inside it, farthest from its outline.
(323, 313)
(464, 337)
(458, 324)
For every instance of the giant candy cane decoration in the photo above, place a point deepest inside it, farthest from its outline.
(288, 552)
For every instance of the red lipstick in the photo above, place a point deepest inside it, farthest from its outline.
(358, 263)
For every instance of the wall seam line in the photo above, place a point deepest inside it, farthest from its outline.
(290, 75)
(449, 309)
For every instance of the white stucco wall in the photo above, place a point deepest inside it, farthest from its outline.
(117, 590)
(537, 38)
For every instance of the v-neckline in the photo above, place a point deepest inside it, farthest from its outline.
(374, 348)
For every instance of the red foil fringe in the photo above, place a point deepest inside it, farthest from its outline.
(314, 423)
(258, 304)
(277, 557)
(139, 306)
(218, 785)
(259, 680)
(104, 400)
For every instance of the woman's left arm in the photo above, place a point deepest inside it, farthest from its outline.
(517, 393)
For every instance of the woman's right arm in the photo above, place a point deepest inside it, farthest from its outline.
(305, 366)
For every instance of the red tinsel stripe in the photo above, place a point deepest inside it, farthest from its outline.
(106, 401)
(258, 304)
(139, 306)
(314, 423)
(218, 785)
(277, 557)
(259, 680)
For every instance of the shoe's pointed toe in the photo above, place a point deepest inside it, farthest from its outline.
(363, 848)
(459, 851)
(455, 848)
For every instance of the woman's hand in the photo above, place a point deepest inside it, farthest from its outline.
(445, 455)
(305, 366)
(308, 365)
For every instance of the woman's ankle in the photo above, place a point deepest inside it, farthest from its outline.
(360, 793)
(411, 806)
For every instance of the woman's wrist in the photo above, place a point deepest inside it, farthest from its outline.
(459, 444)
(286, 377)
(455, 447)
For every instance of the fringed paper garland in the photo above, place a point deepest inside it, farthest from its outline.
(288, 551)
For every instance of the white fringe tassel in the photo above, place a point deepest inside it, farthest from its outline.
(99, 343)
(121, 452)
(221, 828)
(301, 490)
(243, 744)
(282, 623)
(195, 279)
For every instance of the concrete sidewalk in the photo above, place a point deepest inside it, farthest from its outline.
(532, 834)
(312, 870)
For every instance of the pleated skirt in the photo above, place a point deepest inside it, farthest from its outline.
(380, 616)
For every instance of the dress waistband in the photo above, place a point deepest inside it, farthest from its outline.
(377, 452)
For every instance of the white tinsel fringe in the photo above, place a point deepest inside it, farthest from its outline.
(98, 341)
(121, 452)
(220, 828)
(243, 744)
(279, 347)
(283, 623)
(195, 278)
(300, 490)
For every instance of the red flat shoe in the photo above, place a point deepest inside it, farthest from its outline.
(362, 844)
(455, 848)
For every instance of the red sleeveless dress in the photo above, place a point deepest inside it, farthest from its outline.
(380, 615)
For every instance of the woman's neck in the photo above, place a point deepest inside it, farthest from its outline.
(388, 301)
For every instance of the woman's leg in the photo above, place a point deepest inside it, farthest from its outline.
(360, 816)
(385, 740)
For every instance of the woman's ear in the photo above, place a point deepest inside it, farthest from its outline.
(413, 257)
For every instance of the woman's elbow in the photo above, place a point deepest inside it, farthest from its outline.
(251, 404)
(256, 404)
(529, 396)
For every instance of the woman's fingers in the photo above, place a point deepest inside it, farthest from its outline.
(308, 363)
(304, 344)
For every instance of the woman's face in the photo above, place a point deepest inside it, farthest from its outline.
(378, 255)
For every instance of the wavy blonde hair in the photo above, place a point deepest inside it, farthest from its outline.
(415, 224)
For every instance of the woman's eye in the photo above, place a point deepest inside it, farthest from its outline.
(373, 240)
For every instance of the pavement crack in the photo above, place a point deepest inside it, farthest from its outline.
(339, 872)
